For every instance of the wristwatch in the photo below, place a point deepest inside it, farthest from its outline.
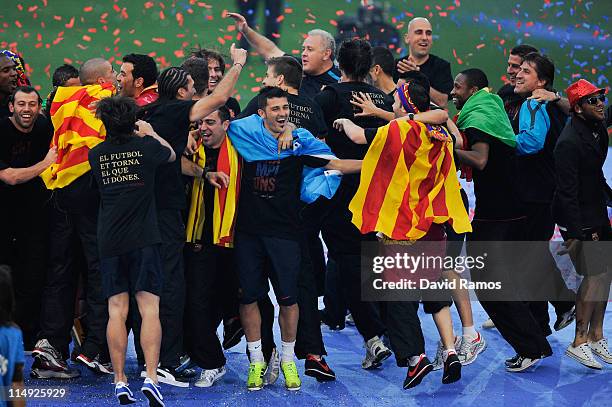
(557, 97)
(411, 116)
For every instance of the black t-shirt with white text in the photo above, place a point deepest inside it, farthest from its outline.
(125, 176)
(437, 70)
(303, 112)
(171, 121)
(270, 196)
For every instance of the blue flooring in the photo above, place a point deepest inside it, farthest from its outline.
(557, 380)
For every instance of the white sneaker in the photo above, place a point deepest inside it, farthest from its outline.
(376, 353)
(488, 324)
(583, 354)
(273, 369)
(600, 348)
(470, 348)
(208, 377)
(438, 362)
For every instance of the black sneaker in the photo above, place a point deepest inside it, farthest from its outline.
(332, 324)
(512, 360)
(520, 364)
(232, 333)
(169, 376)
(318, 369)
(452, 369)
(416, 373)
(49, 364)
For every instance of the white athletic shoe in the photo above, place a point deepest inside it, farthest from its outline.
(438, 362)
(488, 324)
(600, 348)
(583, 354)
(208, 377)
(273, 369)
(470, 348)
(376, 353)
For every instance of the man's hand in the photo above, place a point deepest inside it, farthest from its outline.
(364, 101)
(51, 156)
(217, 179)
(543, 95)
(241, 22)
(407, 65)
(572, 247)
(285, 140)
(192, 144)
(143, 128)
(340, 123)
(238, 55)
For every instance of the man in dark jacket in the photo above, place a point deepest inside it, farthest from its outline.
(579, 208)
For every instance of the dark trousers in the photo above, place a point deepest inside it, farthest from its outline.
(210, 280)
(404, 329)
(309, 339)
(172, 299)
(513, 318)
(24, 244)
(333, 298)
(68, 224)
(543, 271)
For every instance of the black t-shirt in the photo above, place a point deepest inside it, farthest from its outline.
(303, 112)
(212, 154)
(313, 84)
(335, 101)
(437, 70)
(494, 185)
(125, 175)
(171, 121)
(512, 104)
(22, 150)
(270, 196)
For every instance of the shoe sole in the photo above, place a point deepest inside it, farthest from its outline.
(452, 374)
(293, 388)
(416, 380)
(234, 340)
(153, 401)
(93, 366)
(50, 374)
(213, 382)
(582, 361)
(255, 388)
(125, 399)
(521, 369)
(320, 375)
(602, 357)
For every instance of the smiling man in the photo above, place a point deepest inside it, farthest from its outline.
(8, 83)
(137, 79)
(318, 54)
(419, 40)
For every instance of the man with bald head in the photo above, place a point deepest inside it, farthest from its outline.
(74, 218)
(419, 39)
(8, 83)
(318, 54)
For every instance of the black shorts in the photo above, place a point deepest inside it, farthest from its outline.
(593, 257)
(254, 254)
(138, 270)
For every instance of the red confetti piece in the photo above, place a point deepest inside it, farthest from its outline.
(18, 24)
(87, 9)
(221, 40)
(57, 40)
(138, 43)
(255, 89)
(529, 24)
(340, 12)
(280, 18)
(67, 61)
(443, 14)
(57, 18)
(595, 33)
(179, 53)
(92, 30)
(479, 46)
(159, 40)
(39, 37)
(71, 23)
(19, 7)
(180, 19)
(162, 16)
(288, 10)
(149, 4)
(333, 22)
(86, 38)
(32, 8)
(116, 32)
(116, 40)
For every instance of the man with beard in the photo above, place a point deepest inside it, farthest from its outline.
(24, 154)
(8, 83)
(137, 79)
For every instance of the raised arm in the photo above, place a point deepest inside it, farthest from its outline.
(223, 90)
(145, 129)
(352, 131)
(262, 45)
(15, 176)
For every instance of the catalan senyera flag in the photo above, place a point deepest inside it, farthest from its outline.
(408, 181)
(77, 130)
(225, 199)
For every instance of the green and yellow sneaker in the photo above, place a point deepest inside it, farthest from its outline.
(255, 379)
(292, 379)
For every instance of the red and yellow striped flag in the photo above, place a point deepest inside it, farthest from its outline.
(77, 130)
(225, 199)
(408, 181)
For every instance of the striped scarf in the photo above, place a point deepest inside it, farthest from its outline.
(225, 199)
(77, 130)
(435, 131)
(408, 182)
